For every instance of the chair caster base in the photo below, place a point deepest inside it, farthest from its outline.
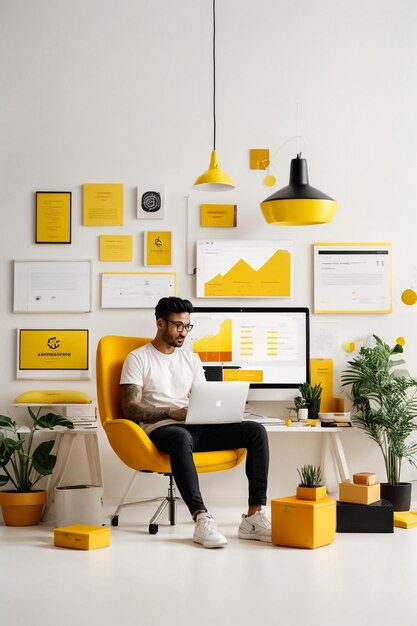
(115, 520)
(153, 529)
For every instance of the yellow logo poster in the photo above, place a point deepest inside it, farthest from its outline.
(158, 248)
(53, 349)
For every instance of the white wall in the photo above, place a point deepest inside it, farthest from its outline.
(120, 91)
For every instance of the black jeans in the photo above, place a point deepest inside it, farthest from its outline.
(180, 441)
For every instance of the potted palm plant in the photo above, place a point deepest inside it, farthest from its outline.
(24, 462)
(385, 407)
(312, 397)
(310, 487)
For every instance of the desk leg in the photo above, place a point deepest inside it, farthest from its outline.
(93, 458)
(64, 443)
(332, 444)
(339, 456)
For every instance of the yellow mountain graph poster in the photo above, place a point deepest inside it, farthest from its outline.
(252, 269)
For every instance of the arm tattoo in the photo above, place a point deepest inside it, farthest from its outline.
(135, 410)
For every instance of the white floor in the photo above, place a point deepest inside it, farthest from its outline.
(167, 579)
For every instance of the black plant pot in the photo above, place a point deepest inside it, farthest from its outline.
(313, 408)
(399, 495)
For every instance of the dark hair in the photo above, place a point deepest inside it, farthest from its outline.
(166, 306)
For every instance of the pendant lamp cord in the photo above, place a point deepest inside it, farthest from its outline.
(214, 74)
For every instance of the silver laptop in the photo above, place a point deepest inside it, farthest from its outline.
(217, 402)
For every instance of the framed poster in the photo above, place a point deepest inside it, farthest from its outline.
(52, 353)
(352, 278)
(158, 247)
(135, 290)
(52, 287)
(151, 201)
(53, 217)
(102, 204)
(235, 268)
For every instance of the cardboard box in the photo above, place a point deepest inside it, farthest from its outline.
(365, 518)
(82, 537)
(364, 478)
(303, 523)
(359, 494)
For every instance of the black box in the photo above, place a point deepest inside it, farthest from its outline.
(365, 518)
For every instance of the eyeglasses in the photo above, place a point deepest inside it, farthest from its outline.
(180, 326)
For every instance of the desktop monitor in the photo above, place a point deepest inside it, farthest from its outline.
(268, 347)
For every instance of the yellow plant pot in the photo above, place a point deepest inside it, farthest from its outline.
(311, 493)
(22, 509)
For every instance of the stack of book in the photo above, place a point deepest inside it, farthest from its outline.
(335, 420)
(84, 415)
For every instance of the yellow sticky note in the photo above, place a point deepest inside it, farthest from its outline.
(259, 158)
(158, 248)
(102, 205)
(224, 215)
(116, 247)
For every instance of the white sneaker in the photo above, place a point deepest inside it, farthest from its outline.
(207, 533)
(257, 526)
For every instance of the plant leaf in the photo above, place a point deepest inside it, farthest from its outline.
(7, 422)
(3, 480)
(42, 461)
(49, 420)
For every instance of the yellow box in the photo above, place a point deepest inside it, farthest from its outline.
(359, 494)
(364, 478)
(405, 519)
(82, 537)
(302, 523)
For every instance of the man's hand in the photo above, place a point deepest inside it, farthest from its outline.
(177, 414)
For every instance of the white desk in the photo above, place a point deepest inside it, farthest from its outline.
(331, 443)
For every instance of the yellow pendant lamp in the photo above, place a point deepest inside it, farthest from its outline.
(298, 204)
(214, 179)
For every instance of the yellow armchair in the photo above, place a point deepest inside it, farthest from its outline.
(131, 444)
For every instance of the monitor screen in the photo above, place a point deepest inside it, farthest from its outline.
(268, 347)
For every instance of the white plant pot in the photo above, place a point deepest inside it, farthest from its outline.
(302, 414)
(79, 504)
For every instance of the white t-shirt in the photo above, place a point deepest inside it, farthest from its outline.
(165, 379)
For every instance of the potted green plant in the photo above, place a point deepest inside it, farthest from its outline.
(24, 462)
(310, 487)
(312, 396)
(385, 407)
(301, 407)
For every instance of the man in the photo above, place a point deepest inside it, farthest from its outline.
(155, 383)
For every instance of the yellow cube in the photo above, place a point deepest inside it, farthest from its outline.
(82, 537)
(303, 523)
(359, 494)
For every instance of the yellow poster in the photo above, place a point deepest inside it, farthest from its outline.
(102, 205)
(53, 349)
(219, 215)
(116, 247)
(322, 372)
(53, 217)
(158, 248)
(244, 268)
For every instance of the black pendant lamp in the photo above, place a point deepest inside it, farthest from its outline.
(298, 203)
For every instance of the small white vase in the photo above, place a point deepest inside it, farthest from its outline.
(302, 415)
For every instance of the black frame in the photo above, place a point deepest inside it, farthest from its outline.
(70, 216)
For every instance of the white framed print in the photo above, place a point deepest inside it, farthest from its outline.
(151, 201)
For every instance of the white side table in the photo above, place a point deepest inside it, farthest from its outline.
(64, 445)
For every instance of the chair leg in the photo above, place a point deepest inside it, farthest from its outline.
(171, 501)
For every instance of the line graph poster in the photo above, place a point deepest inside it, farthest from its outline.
(244, 268)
